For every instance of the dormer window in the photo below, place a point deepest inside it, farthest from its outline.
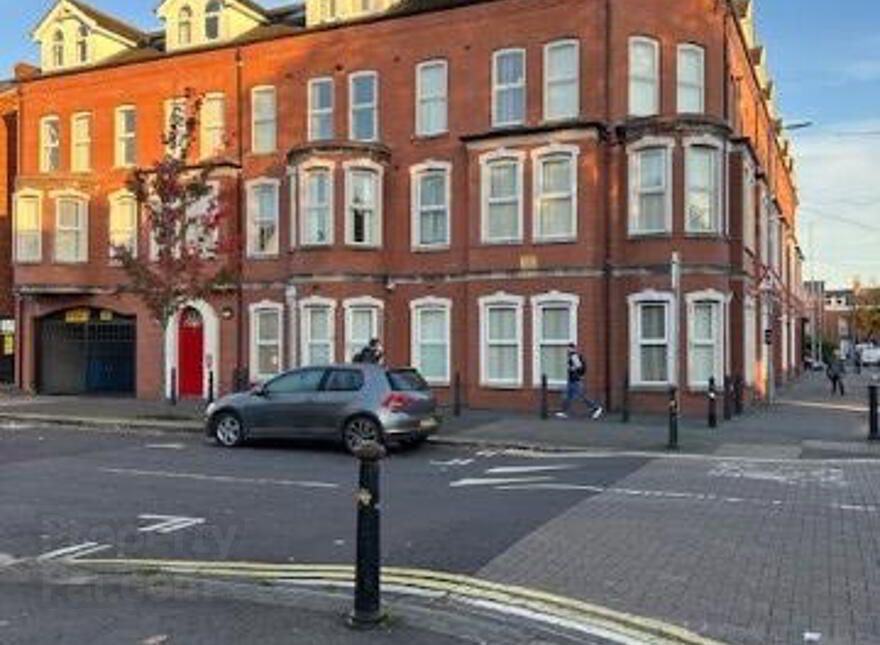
(58, 49)
(82, 44)
(184, 26)
(212, 20)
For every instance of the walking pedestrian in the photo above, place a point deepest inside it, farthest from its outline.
(371, 353)
(836, 370)
(577, 370)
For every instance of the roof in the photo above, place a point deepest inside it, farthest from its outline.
(109, 22)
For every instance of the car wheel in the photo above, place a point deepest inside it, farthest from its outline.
(228, 429)
(359, 430)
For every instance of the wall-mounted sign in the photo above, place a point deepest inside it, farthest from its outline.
(76, 316)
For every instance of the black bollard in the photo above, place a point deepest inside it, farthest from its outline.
(367, 592)
(625, 416)
(873, 431)
(673, 419)
(456, 395)
(728, 395)
(211, 386)
(738, 395)
(173, 386)
(545, 408)
(713, 403)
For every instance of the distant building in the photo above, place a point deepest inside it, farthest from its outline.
(476, 182)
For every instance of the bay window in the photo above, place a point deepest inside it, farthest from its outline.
(502, 197)
(652, 338)
(317, 330)
(362, 323)
(431, 338)
(363, 199)
(703, 177)
(555, 188)
(316, 204)
(650, 187)
(554, 327)
(501, 340)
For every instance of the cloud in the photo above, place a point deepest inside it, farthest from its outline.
(838, 174)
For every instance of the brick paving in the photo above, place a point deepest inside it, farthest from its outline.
(752, 553)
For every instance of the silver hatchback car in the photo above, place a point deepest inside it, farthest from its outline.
(348, 403)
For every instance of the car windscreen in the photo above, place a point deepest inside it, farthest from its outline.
(408, 380)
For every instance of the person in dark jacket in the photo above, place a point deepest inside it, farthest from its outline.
(835, 373)
(577, 370)
(372, 353)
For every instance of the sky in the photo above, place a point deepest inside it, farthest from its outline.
(826, 63)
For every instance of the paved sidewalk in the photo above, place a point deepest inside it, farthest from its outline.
(806, 422)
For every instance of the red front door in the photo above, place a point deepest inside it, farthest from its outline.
(190, 353)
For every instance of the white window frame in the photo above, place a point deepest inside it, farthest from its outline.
(273, 122)
(57, 49)
(505, 301)
(719, 162)
(82, 44)
(355, 165)
(315, 302)
(45, 147)
(685, 49)
(552, 299)
(303, 173)
(250, 187)
(28, 194)
(116, 200)
(635, 302)
(750, 339)
(208, 129)
(85, 143)
(188, 21)
(539, 156)
(417, 308)
(82, 201)
(415, 173)
(718, 301)
(654, 79)
(254, 310)
(374, 106)
(313, 112)
(764, 223)
(213, 15)
(176, 103)
(486, 160)
(376, 308)
(422, 100)
(748, 220)
(121, 136)
(575, 79)
(634, 151)
(496, 88)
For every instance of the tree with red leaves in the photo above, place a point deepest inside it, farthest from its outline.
(192, 254)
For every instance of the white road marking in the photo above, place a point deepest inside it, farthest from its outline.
(592, 489)
(165, 446)
(496, 481)
(812, 637)
(512, 470)
(72, 552)
(453, 462)
(217, 478)
(168, 523)
(822, 406)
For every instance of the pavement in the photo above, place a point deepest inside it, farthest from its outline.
(805, 421)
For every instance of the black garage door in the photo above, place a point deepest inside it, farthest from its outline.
(87, 351)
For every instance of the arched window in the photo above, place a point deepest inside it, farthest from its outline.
(212, 20)
(82, 44)
(184, 26)
(58, 49)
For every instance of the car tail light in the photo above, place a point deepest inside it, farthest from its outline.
(396, 401)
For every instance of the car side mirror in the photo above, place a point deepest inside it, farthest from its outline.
(260, 390)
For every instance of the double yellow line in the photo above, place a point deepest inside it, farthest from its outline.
(551, 607)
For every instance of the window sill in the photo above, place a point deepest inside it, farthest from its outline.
(443, 384)
(431, 249)
(70, 262)
(266, 256)
(34, 262)
(501, 242)
(651, 388)
(651, 235)
(308, 246)
(705, 235)
(555, 240)
(430, 137)
(501, 386)
(363, 247)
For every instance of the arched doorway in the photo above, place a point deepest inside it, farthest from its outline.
(190, 352)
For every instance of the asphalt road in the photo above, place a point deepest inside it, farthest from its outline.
(67, 493)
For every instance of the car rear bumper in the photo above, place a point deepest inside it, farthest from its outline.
(401, 426)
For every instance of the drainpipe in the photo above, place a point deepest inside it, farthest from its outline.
(239, 224)
(609, 205)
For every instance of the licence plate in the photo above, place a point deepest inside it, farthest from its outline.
(427, 424)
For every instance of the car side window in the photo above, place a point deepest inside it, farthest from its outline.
(344, 381)
(308, 380)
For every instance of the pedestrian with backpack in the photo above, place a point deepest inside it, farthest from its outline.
(577, 370)
(371, 353)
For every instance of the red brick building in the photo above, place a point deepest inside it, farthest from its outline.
(476, 182)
